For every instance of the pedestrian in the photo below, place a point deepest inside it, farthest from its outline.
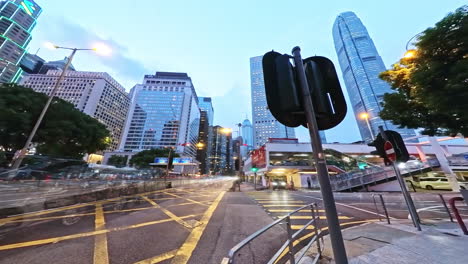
(309, 185)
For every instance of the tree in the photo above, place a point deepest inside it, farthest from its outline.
(431, 87)
(65, 131)
(145, 157)
(117, 160)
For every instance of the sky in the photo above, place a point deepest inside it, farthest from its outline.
(213, 40)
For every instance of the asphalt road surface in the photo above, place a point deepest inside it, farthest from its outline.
(194, 224)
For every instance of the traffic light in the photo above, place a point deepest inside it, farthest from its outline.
(399, 146)
(284, 96)
(378, 143)
(327, 96)
(254, 169)
(281, 91)
(236, 164)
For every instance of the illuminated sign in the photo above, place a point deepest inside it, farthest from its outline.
(29, 7)
(160, 160)
(182, 160)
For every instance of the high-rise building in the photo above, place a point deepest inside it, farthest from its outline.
(96, 94)
(361, 65)
(206, 105)
(163, 113)
(31, 63)
(220, 159)
(17, 20)
(247, 134)
(265, 126)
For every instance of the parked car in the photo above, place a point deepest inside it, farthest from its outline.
(433, 183)
(278, 184)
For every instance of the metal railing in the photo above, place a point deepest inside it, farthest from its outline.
(383, 206)
(289, 244)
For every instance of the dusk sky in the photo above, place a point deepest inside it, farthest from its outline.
(213, 40)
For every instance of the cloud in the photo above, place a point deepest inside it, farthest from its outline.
(119, 62)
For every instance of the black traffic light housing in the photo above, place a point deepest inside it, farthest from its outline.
(399, 146)
(401, 151)
(170, 160)
(236, 164)
(284, 97)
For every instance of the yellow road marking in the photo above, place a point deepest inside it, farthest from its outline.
(173, 205)
(168, 213)
(100, 241)
(13, 218)
(185, 251)
(299, 240)
(190, 200)
(297, 227)
(86, 234)
(158, 258)
(196, 193)
(292, 210)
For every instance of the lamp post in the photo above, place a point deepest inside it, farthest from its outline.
(100, 48)
(365, 116)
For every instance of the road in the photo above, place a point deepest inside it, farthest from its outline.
(189, 224)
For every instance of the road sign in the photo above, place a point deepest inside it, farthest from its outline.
(390, 151)
(465, 156)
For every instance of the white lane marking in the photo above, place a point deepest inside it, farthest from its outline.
(349, 206)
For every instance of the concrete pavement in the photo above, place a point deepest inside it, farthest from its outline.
(438, 243)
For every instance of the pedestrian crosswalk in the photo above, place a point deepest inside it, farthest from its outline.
(281, 203)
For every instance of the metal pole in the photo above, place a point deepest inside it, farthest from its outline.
(385, 208)
(292, 259)
(370, 129)
(24, 150)
(255, 180)
(404, 190)
(446, 208)
(336, 238)
(167, 167)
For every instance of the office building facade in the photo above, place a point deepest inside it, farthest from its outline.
(361, 65)
(163, 113)
(247, 134)
(96, 94)
(204, 133)
(17, 20)
(220, 159)
(265, 126)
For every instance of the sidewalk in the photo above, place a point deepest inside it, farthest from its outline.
(400, 242)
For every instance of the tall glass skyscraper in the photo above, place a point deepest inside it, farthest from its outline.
(361, 65)
(204, 133)
(163, 113)
(247, 133)
(265, 126)
(17, 20)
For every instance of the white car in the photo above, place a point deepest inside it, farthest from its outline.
(432, 183)
(441, 183)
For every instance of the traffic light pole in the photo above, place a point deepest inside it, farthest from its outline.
(336, 238)
(404, 189)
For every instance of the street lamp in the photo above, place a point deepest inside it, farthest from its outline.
(226, 130)
(365, 116)
(98, 48)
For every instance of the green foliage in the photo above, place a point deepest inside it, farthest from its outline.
(145, 157)
(65, 131)
(117, 160)
(3, 159)
(431, 88)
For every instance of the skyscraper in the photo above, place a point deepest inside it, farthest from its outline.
(17, 20)
(163, 113)
(204, 132)
(220, 159)
(247, 133)
(264, 124)
(96, 94)
(361, 65)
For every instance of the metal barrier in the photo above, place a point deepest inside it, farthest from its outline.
(457, 214)
(446, 207)
(383, 206)
(289, 242)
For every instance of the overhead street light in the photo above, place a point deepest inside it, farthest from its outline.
(365, 116)
(99, 48)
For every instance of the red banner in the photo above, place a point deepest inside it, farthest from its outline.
(259, 158)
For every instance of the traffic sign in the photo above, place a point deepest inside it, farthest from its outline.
(390, 151)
